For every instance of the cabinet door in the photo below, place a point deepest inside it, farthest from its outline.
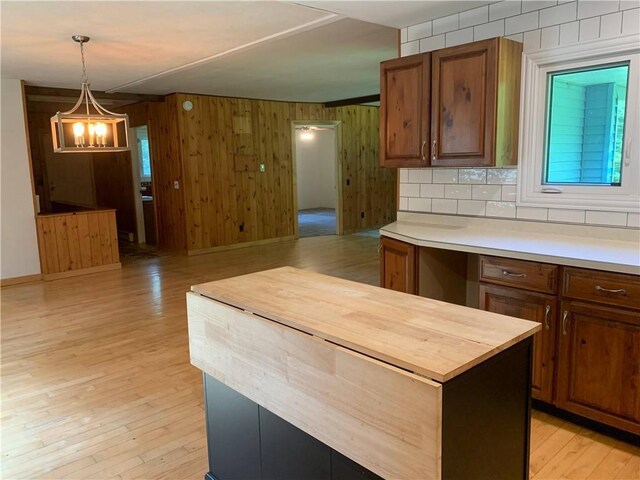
(398, 265)
(599, 364)
(535, 307)
(404, 111)
(463, 110)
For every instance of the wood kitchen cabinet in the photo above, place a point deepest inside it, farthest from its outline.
(398, 265)
(405, 111)
(598, 374)
(535, 307)
(469, 118)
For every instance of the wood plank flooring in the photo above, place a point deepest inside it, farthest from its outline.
(96, 380)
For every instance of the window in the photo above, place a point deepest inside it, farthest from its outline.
(579, 127)
(143, 153)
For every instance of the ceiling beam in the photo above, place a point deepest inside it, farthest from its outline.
(353, 101)
(120, 97)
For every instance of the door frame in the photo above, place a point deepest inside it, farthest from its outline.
(337, 125)
(137, 194)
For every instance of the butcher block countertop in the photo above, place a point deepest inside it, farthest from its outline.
(586, 246)
(430, 338)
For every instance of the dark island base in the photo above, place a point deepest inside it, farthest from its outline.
(485, 430)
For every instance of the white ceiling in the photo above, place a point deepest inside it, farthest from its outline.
(253, 49)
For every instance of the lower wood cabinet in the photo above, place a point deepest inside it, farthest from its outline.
(599, 364)
(536, 307)
(398, 265)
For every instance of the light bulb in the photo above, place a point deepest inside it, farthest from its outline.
(92, 133)
(78, 134)
(101, 133)
(306, 134)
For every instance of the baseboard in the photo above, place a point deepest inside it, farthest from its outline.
(82, 271)
(6, 282)
(204, 251)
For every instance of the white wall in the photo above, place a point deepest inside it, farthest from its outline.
(538, 24)
(316, 170)
(18, 239)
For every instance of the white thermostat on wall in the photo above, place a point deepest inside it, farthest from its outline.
(187, 105)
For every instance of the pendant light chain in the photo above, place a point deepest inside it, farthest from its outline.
(85, 78)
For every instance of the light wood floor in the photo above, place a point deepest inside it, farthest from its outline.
(96, 380)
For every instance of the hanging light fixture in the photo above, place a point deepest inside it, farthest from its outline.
(94, 130)
(306, 133)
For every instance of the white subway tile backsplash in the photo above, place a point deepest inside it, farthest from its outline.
(506, 8)
(404, 35)
(421, 30)
(486, 192)
(475, 16)
(611, 25)
(531, 213)
(432, 43)
(566, 215)
(521, 23)
(530, 5)
(633, 220)
(459, 37)
(409, 190)
(589, 28)
(593, 8)
(432, 190)
(508, 193)
(567, 12)
(531, 40)
(442, 205)
(445, 175)
(501, 209)
(502, 176)
(410, 48)
(488, 30)
(472, 175)
(616, 219)
(404, 203)
(471, 207)
(517, 37)
(458, 191)
(627, 4)
(569, 33)
(419, 205)
(420, 175)
(631, 21)
(404, 175)
(550, 37)
(446, 24)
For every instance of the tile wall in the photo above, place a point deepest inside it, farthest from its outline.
(537, 24)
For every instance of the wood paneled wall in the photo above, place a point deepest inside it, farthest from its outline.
(70, 242)
(228, 201)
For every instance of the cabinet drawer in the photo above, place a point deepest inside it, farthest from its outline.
(539, 277)
(602, 287)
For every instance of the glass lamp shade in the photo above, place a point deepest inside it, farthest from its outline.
(76, 133)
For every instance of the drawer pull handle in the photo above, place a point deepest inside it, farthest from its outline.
(507, 273)
(433, 151)
(565, 314)
(621, 291)
(547, 309)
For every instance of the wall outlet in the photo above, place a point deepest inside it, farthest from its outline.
(176, 185)
(262, 168)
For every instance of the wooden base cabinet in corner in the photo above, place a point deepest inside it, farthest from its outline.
(398, 265)
(598, 367)
(536, 307)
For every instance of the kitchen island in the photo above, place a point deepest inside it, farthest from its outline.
(310, 376)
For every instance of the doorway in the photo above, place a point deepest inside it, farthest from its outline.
(317, 178)
(143, 186)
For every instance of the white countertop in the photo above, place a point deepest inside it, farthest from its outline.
(601, 248)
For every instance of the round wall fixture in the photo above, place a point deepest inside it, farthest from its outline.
(187, 105)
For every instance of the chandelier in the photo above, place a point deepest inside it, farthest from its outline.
(90, 129)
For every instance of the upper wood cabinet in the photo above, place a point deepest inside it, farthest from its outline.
(472, 108)
(404, 111)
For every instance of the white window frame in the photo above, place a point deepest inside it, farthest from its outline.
(533, 110)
